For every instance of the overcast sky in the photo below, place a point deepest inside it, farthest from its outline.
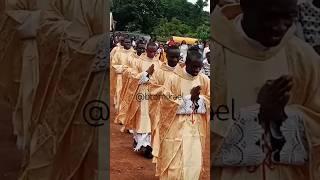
(206, 8)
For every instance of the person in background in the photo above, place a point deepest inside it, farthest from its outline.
(161, 53)
(133, 41)
(309, 23)
(154, 40)
(184, 50)
(160, 49)
(201, 47)
(165, 47)
(171, 42)
(206, 65)
(119, 64)
(206, 49)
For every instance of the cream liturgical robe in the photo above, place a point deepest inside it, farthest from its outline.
(240, 148)
(27, 13)
(63, 145)
(134, 108)
(115, 49)
(182, 131)
(156, 90)
(138, 114)
(126, 82)
(120, 63)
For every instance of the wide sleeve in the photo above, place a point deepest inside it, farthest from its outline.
(306, 96)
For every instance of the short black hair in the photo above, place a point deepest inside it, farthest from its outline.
(173, 47)
(195, 48)
(193, 54)
(140, 41)
(127, 38)
(151, 44)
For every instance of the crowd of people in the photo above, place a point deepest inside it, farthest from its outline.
(161, 96)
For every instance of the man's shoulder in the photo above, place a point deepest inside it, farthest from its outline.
(297, 45)
(302, 53)
(204, 77)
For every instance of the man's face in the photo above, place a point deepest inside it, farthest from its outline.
(173, 56)
(127, 44)
(121, 41)
(140, 49)
(194, 67)
(151, 51)
(270, 20)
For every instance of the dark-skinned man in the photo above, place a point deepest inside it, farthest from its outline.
(183, 123)
(132, 59)
(120, 63)
(137, 107)
(156, 90)
(269, 79)
(118, 46)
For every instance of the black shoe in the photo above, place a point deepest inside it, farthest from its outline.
(148, 152)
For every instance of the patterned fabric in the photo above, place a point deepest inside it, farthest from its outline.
(144, 78)
(101, 61)
(294, 150)
(187, 106)
(243, 145)
(246, 144)
(309, 18)
(206, 68)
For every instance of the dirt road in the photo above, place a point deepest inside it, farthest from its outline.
(128, 165)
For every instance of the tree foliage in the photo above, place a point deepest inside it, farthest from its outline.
(163, 18)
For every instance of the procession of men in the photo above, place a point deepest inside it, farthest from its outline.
(265, 68)
(52, 64)
(163, 102)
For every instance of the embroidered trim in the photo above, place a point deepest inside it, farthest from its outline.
(187, 106)
(144, 79)
(101, 62)
(242, 147)
(294, 151)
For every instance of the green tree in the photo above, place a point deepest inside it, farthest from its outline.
(141, 15)
(163, 18)
(173, 28)
(203, 32)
